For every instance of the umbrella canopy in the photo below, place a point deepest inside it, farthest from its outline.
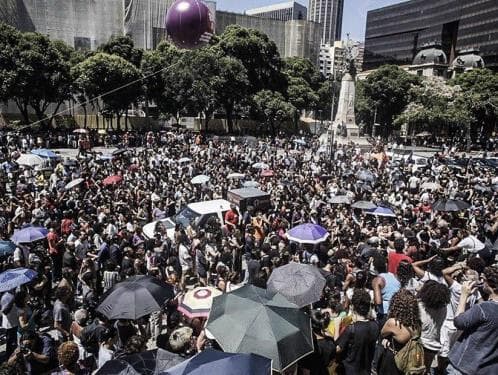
(150, 362)
(120, 151)
(253, 320)
(71, 163)
(236, 175)
(260, 165)
(365, 175)
(29, 234)
(74, 183)
(30, 160)
(430, 186)
(112, 180)
(200, 179)
(423, 134)
(301, 284)
(212, 361)
(197, 302)
(448, 205)
(7, 248)
(340, 199)
(184, 160)
(364, 205)
(251, 184)
(11, 279)
(308, 233)
(80, 131)
(44, 153)
(482, 189)
(300, 142)
(267, 173)
(135, 297)
(382, 211)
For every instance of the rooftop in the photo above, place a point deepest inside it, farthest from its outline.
(271, 8)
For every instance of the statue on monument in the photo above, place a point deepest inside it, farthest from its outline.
(345, 116)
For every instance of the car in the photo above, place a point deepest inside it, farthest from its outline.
(194, 214)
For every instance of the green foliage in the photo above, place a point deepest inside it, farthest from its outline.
(386, 89)
(271, 108)
(42, 76)
(258, 54)
(110, 75)
(480, 98)
(434, 107)
(9, 40)
(123, 46)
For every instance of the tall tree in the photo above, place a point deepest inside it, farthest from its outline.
(42, 77)
(233, 87)
(271, 108)
(123, 46)
(480, 98)
(111, 80)
(301, 96)
(385, 91)
(9, 40)
(258, 54)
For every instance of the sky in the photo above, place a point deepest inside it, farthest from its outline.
(354, 18)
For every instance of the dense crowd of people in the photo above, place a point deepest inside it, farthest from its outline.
(420, 275)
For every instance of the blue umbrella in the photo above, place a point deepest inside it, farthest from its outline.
(308, 233)
(7, 248)
(44, 153)
(382, 211)
(212, 361)
(11, 279)
(29, 234)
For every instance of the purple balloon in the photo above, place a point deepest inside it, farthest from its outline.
(187, 21)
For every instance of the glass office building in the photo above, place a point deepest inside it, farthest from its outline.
(395, 33)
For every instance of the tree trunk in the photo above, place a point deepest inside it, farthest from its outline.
(229, 114)
(85, 114)
(23, 109)
(296, 121)
(126, 121)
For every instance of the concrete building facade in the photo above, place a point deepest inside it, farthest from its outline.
(329, 14)
(287, 11)
(396, 33)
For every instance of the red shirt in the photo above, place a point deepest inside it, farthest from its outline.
(52, 241)
(394, 259)
(232, 218)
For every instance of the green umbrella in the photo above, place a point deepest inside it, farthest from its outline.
(253, 320)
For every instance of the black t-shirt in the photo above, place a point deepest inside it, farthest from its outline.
(69, 260)
(358, 347)
(318, 361)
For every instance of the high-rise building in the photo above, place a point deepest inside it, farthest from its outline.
(332, 58)
(287, 11)
(396, 33)
(329, 14)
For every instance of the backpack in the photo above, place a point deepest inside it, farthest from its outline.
(410, 359)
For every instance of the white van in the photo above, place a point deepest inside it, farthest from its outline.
(194, 214)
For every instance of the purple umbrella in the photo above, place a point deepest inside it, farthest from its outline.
(29, 234)
(308, 233)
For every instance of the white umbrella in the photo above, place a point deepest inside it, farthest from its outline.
(300, 142)
(80, 131)
(74, 183)
(430, 186)
(340, 199)
(236, 175)
(200, 179)
(30, 160)
(260, 165)
(249, 184)
(184, 160)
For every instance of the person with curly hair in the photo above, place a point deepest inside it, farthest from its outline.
(68, 355)
(433, 300)
(403, 323)
(475, 350)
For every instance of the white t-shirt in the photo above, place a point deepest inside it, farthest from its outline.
(432, 321)
(471, 244)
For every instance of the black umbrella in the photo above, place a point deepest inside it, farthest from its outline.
(120, 151)
(447, 205)
(253, 320)
(134, 298)
(301, 284)
(146, 363)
